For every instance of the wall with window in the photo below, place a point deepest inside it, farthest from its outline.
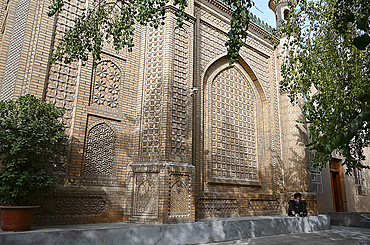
(357, 192)
(356, 196)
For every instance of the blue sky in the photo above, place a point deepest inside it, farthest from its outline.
(262, 10)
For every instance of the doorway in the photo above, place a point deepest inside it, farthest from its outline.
(336, 184)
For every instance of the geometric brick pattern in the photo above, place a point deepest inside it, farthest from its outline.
(180, 93)
(15, 50)
(74, 205)
(233, 120)
(61, 88)
(179, 196)
(217, 207)
(261, 207)
(106, 85)
(63, 77)
(150, 137)
(100, 150)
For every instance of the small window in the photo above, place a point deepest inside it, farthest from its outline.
(286, 14)
(316, 177)
(360, 183)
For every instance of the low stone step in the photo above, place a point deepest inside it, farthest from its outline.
(202, 231)
(356, 219)
(365, 218)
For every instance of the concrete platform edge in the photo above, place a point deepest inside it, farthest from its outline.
(204, 231)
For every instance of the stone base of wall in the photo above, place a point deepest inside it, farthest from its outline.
(204, 231)
(357, 219)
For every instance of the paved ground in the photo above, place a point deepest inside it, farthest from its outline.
(338, 235)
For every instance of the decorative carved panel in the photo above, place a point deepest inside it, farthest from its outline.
(13, 58)
(74, 205)
(180, 93)
(3, 16)
(38, 31)
(220, 207)
(63, 77)
(212, 43)
(100, 150)
(146, 194)
(179, 195)
(106, 85)
(150, 124)
(233, 122)
(258, 206)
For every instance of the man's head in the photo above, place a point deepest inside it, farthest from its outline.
(297, 196)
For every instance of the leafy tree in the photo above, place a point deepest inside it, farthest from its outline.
(116, 21)
(32, 139)
(328, 64)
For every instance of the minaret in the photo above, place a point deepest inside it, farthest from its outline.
(281, 9)
(294, 136)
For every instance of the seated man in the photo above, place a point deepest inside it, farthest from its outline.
(297, 207)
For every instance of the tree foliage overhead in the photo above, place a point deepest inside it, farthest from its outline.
(116, 21)
(328, 64)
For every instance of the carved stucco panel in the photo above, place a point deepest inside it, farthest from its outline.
(146, 194)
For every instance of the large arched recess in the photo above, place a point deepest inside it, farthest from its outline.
(233, 161)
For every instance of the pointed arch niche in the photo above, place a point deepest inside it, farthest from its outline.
(234, 124)
(100, 150)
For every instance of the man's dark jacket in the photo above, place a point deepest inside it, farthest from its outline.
(299, 208)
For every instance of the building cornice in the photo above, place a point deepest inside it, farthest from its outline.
(226, 13)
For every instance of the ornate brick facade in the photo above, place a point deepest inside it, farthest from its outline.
(144, 146)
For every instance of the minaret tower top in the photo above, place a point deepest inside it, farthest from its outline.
(281, 9)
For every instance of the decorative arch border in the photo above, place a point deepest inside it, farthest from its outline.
(214, 68)
(223, 61)
(106, 122)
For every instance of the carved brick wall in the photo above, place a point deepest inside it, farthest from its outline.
(13, 60)
(74, 205)
(179, 144)
(233, 120)
(146, 93)
(106, 86)
(179, 204)
(217, 207)
(3, 16)
(150, 138)
(100, 150)
(146, 194)
(258, 67)
(263, 207)
(63, 77)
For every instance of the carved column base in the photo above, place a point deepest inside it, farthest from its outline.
(162, 192)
